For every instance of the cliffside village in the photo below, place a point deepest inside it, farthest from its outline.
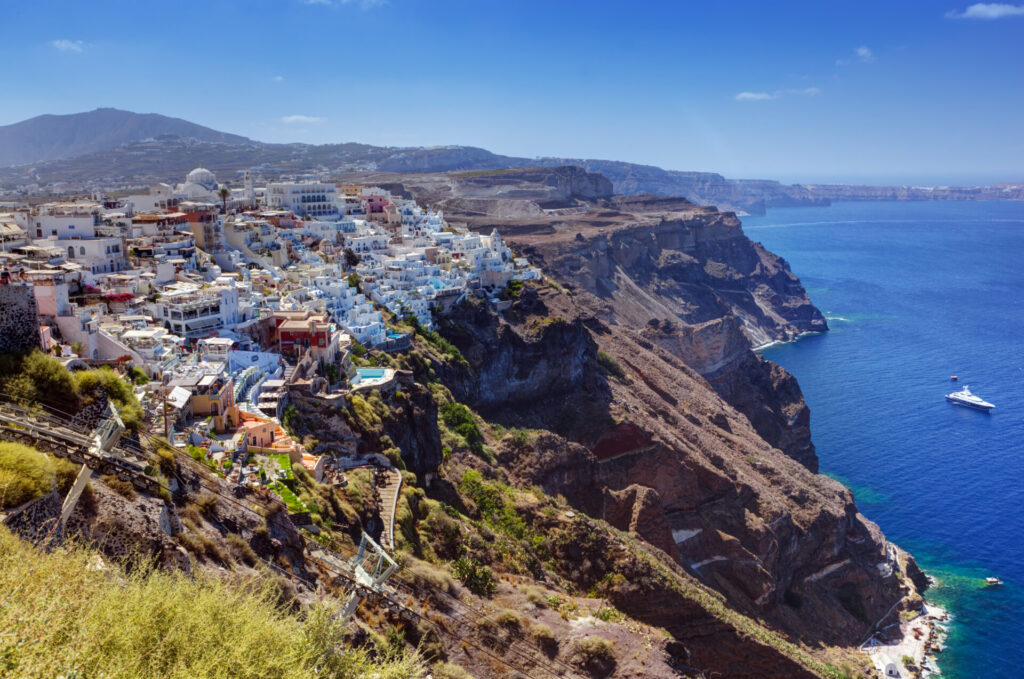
(227, 298)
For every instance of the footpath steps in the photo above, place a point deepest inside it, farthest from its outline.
(389, 485)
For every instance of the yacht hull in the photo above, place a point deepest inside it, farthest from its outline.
(976, 406)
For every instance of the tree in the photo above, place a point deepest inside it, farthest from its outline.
(224, 193)
(351, 258)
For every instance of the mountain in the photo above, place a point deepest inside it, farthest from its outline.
(53, 137)
(110, 149)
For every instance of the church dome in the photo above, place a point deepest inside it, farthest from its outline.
(203, 177)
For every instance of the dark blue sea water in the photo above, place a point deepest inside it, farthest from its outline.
(915, 293)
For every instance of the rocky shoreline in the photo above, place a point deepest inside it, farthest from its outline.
(910, 645)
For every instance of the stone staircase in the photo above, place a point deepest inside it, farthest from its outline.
(389, 485)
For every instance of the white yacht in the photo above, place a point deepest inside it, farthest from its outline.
(964, 397)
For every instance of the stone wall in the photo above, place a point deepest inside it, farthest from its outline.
(19, 319)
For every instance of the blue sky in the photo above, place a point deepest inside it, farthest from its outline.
(920, 92)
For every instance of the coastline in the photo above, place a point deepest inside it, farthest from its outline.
(919, 639)
(774, 343)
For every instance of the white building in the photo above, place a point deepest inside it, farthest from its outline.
(306, 199)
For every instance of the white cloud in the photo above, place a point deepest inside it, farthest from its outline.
(279, 78)
(68, 45)
(987, 10)
(862, 54)
(777, 94)
(303, 120)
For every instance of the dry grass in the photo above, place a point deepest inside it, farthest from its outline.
(120, 486)
(423, 575)
(61, 614)
(206, 503)
(25, 474)
(446, 670)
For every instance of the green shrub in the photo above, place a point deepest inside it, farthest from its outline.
(117, 390)
(289, 418)
(610, 366)
(490, 500)
(477, 577)
(38, 378)
(610, 614)
(366, 417)
(512, 289)
(25, 474)
(459, 419)
(137, 375)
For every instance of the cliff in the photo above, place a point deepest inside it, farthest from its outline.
(688, 280)
(657, 451)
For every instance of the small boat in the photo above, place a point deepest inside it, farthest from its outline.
(953, 378)
(964, 397)
(993, 581)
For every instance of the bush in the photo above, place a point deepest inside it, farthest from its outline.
(365, 416)
(120, 486)
(117, 390)
(206, 504)
(67, 473)
(490, 500)
(908, 661)
(535, 595)
(459, 419)
(477, 577)
(165, 459)
(289, 418)
(241, 549)
(137, 375)
(544, 638)
(594, 654)
(511, 289)
(38, 378)
(25, 474)
(506, 618)
(610, 366)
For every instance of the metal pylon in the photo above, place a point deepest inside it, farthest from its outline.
(371, 567)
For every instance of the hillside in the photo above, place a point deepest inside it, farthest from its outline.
(52, 137)
(110, 149)
(72, 612)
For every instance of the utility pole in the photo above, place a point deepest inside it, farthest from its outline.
(166, 431)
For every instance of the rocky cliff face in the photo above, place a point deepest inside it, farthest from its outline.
(689, 281)
(661, 454)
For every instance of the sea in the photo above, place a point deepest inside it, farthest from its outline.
(915, 293)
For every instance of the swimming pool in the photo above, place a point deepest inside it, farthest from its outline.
(368, 375)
